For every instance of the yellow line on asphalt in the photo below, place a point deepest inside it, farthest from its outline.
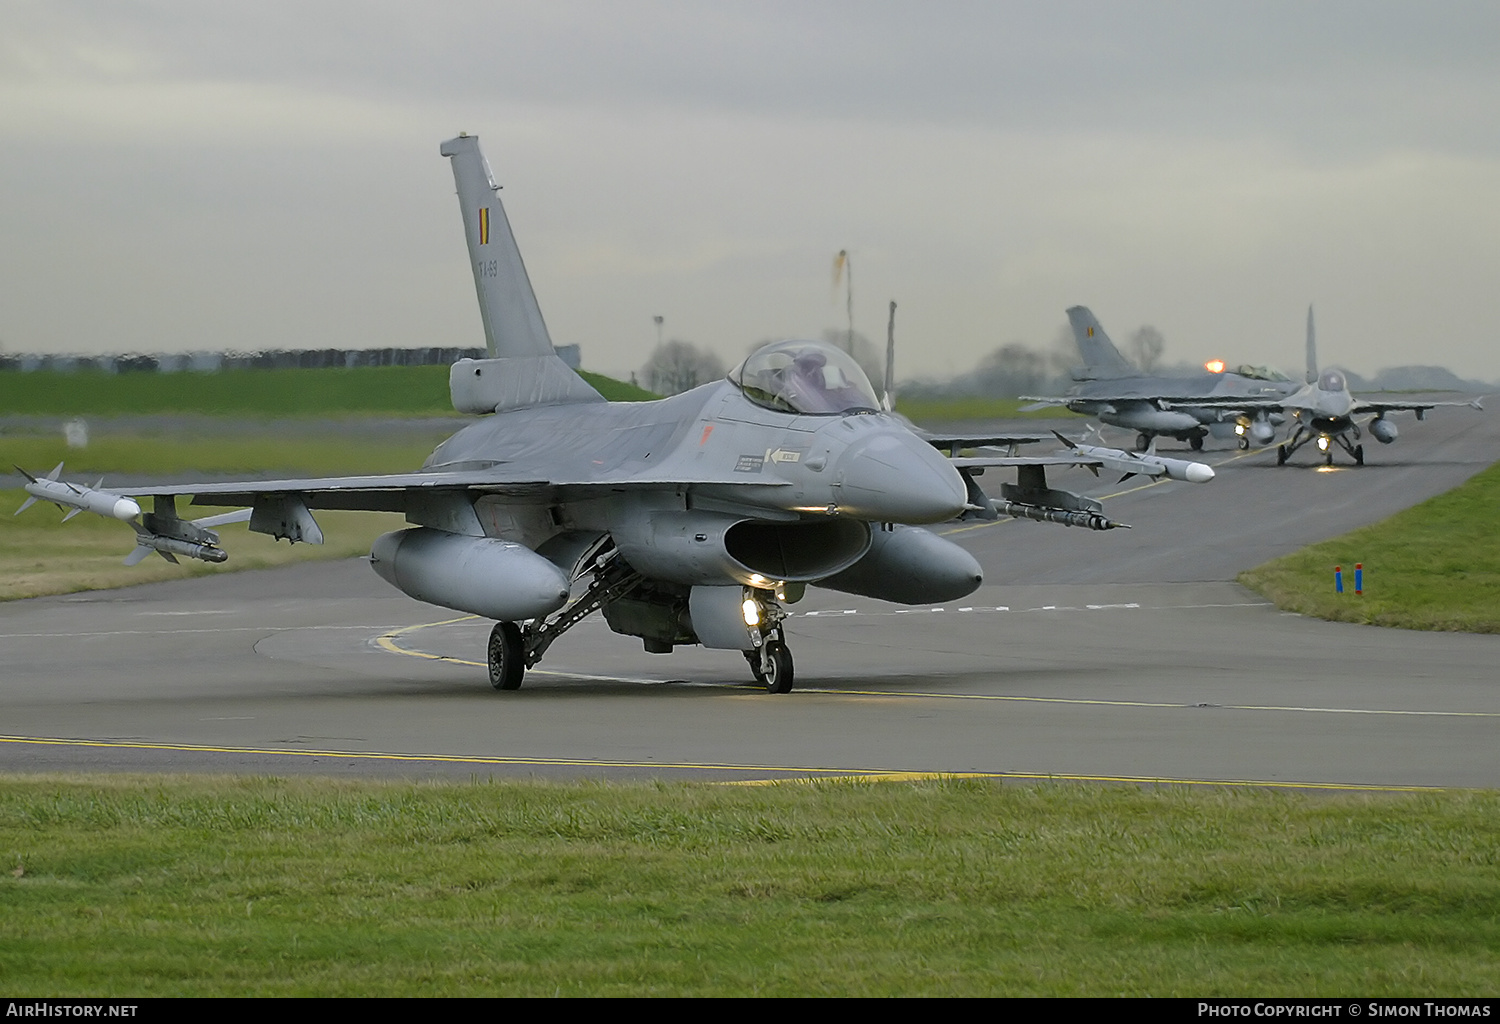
(1150, 704)
(387, 641)
(806, 774)
(364, 755)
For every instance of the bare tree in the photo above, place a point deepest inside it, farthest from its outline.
(1145, 346)
(677, 366)
(1010, 370)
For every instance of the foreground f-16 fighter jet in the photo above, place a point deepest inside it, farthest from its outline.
(1115, 393)
(1323, 410)
(691, 520)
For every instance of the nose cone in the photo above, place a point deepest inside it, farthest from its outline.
(896, 477)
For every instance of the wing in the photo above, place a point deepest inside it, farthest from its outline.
(395, 492)
(440, 499)
(1381, 408)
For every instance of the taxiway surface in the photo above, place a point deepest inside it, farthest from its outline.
(1122, 655)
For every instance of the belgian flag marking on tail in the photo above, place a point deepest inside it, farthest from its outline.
(484, 225)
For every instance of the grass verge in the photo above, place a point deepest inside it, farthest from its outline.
(192, 886)
(1434, 566)
(39, 555)
(368, 390)
(956, 410)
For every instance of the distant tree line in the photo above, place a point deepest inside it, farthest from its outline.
(1012, 369)
(275, 359)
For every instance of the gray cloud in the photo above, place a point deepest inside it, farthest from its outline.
(185, 175)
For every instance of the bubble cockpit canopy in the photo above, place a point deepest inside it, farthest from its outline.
(1332, 380)
(807, 377)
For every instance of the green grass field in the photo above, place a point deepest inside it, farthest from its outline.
(40, 555)
(958, 410)
(1434, 566)
(267, 394)
(167, 886)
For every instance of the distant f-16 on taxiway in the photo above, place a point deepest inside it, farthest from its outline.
(695, 519)
(1323, 410)
(1113, 391)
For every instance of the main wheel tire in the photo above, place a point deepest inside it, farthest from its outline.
(507, 656)
(778, 672)
(1142, 442)
(1359, 455)
(1196, 442)
(1281, 455)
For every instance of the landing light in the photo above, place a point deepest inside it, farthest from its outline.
(1323, 443)
(1214, 366)
(1239, 428)
(752, 612)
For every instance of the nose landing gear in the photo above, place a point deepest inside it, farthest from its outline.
(770, 660)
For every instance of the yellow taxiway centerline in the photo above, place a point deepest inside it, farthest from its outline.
(806, 774)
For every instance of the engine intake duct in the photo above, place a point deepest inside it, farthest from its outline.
(710, 548)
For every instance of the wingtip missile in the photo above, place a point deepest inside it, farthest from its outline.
(78, 499)
(1147, 464)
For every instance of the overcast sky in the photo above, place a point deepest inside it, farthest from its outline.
(189, 175)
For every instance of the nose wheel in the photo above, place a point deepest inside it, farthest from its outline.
(772, 666)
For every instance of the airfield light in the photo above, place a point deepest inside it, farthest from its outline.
(752, 612)
(1214, 366)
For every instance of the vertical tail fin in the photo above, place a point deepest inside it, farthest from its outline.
(1312, 349)
(1100, 357)
(522, 369)
(513, 324)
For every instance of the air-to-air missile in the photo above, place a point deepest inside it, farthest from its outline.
(1143, 463)
(79, 499)
(160, 531)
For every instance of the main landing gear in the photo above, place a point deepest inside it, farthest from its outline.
(507, 656)
(1326, 441)
(515, 647)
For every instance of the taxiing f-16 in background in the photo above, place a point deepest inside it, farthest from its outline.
(690, 520)
(1114, 392)
(1323, 410)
